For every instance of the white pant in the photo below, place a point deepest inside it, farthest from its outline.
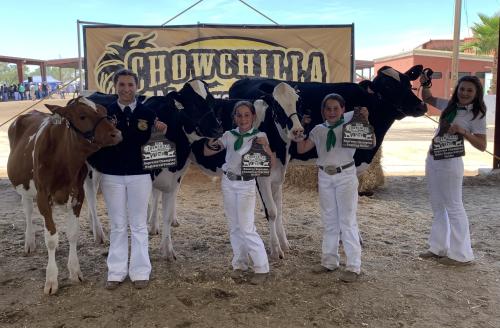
(338, 199)
(127, 199)
(450, 234)
(239, 207)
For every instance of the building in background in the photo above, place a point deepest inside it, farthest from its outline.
(436, 54)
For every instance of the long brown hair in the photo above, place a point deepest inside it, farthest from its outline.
(478, 105)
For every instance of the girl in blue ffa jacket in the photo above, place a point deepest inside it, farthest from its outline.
(464, 114)
(338, 188)
(126, 186)
(239, 193)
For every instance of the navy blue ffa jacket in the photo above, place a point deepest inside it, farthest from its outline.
(125, 158)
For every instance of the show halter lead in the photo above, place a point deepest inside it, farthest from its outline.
(239, 142)
(330, 138)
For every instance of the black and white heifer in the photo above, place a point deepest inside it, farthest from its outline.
(388, 97)
(189, 116)
(277, 117)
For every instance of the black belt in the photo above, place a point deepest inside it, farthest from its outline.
(235, 177)
(331, 169)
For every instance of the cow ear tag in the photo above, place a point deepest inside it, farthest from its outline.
(158, 152)
(256, 162)
(358, 133)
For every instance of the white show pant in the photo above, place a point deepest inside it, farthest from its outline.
(239, 207)
(450, 234)
(127, 199)
(338, 196)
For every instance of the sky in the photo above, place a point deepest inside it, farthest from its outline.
(47, 29)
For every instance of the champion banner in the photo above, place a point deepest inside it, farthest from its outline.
(167, 57)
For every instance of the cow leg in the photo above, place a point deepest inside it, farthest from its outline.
(154, 223)
(51, 273)
(51, 241)
(264, 185)
(29, 234)
(168, 211)
(277, 189)
(91, 187)
(73, 231)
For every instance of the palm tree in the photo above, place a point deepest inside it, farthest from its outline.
(486, 41)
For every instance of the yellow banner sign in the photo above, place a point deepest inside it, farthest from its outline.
(167, 57)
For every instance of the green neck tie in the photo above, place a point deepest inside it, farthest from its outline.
(453, 113)
(239, 141)
(330, 138)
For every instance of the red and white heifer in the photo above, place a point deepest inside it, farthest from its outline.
(47, 162)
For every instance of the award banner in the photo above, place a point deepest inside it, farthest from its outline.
(166, 57)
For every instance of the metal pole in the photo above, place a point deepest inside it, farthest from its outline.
(496, 140)
(80, 84)
(456, 43)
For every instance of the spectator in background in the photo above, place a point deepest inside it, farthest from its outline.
(62, 91)
(32, 91)
(21, 91)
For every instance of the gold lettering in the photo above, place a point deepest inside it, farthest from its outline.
(137, 65)
(225, 68)
(248, 64)
(294, 67)
(179, 70)
(277, 67)
(202, 63)
(157, 67)
(263, 65)
(316, 69)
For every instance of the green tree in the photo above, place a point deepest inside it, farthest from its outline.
(8, 74)
(485, 41)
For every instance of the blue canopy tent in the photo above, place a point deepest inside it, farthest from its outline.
(50, 80)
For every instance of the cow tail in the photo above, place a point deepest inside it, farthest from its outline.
(262, 200)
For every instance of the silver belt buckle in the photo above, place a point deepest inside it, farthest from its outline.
(330, 169)
(231, 176)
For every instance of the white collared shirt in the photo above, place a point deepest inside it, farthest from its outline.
(233, 157)
(338, 155)
(132, 106)
(464, 118)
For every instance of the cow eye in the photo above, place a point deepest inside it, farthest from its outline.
(82, 118)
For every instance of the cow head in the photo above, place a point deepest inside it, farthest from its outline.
(89, 121)
(394, 88)
(283, 101)
(197, 106)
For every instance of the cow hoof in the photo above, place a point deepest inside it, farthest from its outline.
(50, 287)
(154, 231)
(29, 248)
(366, 193)
(175, 223)
(100, 238)
(76, 276)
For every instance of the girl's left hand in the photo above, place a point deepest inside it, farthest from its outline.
(456, 129)
(160, 126)
(363, 111)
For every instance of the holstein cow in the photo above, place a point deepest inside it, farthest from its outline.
(390, 98)
(47, 160)
(277, 117)
(189, 116)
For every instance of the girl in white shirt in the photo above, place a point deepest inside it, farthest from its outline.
(338, 188)
(239, 193)
(464, 114)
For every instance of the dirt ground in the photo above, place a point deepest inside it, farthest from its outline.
(396, 288)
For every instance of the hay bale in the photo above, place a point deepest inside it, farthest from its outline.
(306, 176)
(373, 177)
(302, 176)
